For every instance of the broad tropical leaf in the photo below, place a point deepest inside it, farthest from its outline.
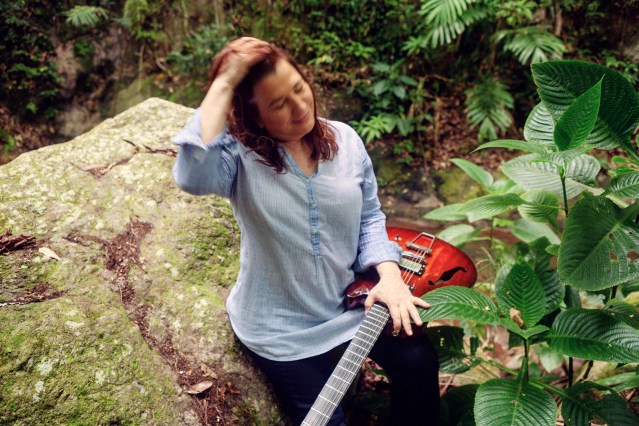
(540, 126)
(559, 83)
(449, 212)
(578, 120)
(612, 409)
(522, 291)
(460, 402)
(549, 278)
(621, 382)
(458, 235)
(459, 303)
(528, 231)
(489, 206)
(515, 144)
(530, 174)
(474, 171)
(504, 402)
(595, 335)
(624, 312)
(600, 246)
(626, 185)
(449, 343)
(540, 206)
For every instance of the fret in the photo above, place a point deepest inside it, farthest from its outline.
(328, 400)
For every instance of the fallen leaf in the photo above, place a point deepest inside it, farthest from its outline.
(199, 388)
(515, 315)
(49, 253)
(206, 370)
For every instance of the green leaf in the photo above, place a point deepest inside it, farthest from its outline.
(460, 401)
(524, 334)
(579, 411)
(578, 120)
(549, 278)
(446, 213)
(458, 235)
(541, 206)
(540, 127)
(629, 287)
(624, 312)
(504, 402)
(621, 382)
(529, 231)
(474, 171)
(600, 245)
(549, 358)
(531, 174)
(522, 291)
(626, 185)
(449, 343)
(514, 144)
(380, 87)
(561, 82)
(489, 206)
(399, 91)
(454, 302)
(595, 335)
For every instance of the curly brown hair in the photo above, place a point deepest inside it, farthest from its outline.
(243, 114)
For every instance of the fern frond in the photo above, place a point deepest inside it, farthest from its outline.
(85, 16)
(532, 44)
(448, 19)
(488, 104)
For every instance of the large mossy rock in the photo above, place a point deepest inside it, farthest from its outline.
(114, 312)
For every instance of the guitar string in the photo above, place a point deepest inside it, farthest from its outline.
(336, 394)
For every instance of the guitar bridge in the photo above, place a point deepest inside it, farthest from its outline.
(412, 263)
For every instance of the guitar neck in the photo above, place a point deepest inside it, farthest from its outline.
(348, 367)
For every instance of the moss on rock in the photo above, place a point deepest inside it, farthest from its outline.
(97, 354)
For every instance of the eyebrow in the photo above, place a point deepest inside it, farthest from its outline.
(281, 98)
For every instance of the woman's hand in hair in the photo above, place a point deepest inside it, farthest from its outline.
(237, 58)
(230, 66)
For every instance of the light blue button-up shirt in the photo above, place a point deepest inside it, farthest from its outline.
(302, 238)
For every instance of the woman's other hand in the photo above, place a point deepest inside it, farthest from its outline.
(395, 294)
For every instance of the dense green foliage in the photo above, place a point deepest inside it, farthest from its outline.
(399, 57)
(584, 246)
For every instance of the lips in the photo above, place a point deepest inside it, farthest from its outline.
(303, 119)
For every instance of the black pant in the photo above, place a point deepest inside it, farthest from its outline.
(411, 365)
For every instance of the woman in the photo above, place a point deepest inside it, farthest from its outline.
(304, 195)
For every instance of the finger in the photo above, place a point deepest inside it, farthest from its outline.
(396, 317)
(414, 314)
(421, 302)
(406, 316)
(368, 303)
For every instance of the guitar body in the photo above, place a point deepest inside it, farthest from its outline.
(427, 263)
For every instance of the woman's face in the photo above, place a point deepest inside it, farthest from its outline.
(285, 103)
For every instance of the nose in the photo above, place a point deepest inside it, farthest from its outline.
(298, 103)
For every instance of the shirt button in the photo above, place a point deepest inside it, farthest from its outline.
(313, 205)
(314, 230)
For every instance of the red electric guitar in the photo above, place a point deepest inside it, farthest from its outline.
(427, 263)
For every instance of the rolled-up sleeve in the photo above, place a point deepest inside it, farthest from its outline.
(205, 168)
(374, 246)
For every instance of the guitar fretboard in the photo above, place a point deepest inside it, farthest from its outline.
(348, 367)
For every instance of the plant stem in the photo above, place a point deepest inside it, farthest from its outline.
(562, 176)
(571, 371)
(524, 362)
